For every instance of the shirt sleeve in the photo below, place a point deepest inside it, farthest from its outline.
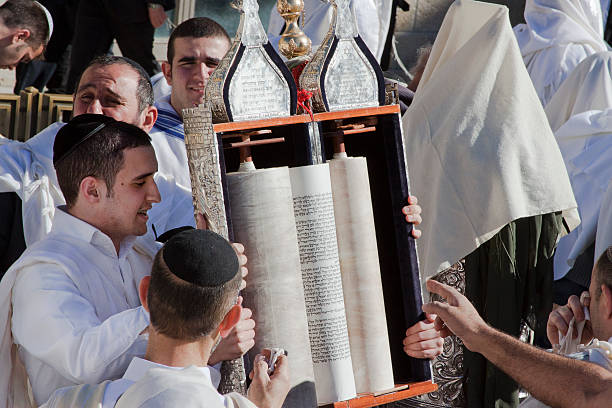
(54, 323)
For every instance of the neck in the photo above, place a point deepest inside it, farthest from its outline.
(86, 216)
(178, 353)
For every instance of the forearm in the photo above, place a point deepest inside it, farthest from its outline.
(553, 379)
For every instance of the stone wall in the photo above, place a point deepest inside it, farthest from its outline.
(419, 25)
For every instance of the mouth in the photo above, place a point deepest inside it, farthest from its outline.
(143, 213)
(197, 89)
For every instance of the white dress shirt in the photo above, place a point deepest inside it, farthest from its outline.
(173, 180)
(76, 312)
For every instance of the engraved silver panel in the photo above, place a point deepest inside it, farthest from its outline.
(258, 90)
(207, 190)
(350, 81)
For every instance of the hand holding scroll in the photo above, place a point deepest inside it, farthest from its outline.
(423, 340)
(202, 223)
(413, 214)
(240, 339)
(269, 391)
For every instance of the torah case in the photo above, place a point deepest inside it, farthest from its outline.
(375, 134)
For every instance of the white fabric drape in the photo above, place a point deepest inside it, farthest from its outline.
(373, 18)
(558, 34)
(479, 149)
(588, 87)
(581, 116)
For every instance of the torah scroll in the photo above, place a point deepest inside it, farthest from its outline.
(262, 213)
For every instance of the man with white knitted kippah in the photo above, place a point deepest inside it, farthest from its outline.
(25, 29)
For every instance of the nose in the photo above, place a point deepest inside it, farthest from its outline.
(203, 71)
(154, 196)
(95, 107)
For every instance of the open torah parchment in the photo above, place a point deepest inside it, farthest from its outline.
(314, 280)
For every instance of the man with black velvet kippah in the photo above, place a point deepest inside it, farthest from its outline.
(191, 297)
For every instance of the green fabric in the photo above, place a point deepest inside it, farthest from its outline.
(509, 280)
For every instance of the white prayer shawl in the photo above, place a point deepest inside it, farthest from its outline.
(603, 237)
(161, 88)
(586, 144)
(557, 36)
(81, 396)
(473, 156)
(588, 87)
(27, 169)
(580, 115)
(161, 388)
(73, 308)
(373, 19)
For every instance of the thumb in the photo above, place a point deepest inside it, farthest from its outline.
(430, 318)
(260, 370)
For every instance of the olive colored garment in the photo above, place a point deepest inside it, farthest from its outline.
(509, 280)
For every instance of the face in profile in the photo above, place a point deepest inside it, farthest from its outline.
(18, 51)
(193, 62)
(133, 194)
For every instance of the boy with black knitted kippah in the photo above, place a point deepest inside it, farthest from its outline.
(191, 297)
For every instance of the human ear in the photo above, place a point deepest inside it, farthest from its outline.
(167, 70)
(606, 294)
(21, 35)
(148, 118)
(143, 290)
(90, 189)
(230, 320)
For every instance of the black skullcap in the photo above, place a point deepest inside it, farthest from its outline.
(201, 257)
(77, 131)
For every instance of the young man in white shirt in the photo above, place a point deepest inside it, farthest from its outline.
(71, 301)
(191, 296)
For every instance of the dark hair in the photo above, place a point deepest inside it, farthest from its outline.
(183, 310)
(144, 90)
(197, 27)
(100, 156)
(603, 271)
(29, 15)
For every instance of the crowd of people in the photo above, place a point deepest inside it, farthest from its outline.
(112, 295)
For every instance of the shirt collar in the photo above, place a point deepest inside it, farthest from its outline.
(139, 366)
(67, 224)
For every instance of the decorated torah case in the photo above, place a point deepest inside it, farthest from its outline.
(251, 81)
(343, 74)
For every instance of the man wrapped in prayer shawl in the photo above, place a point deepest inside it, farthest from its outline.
(485, 164)
(191, 297)
(558, 35)
(580, 114)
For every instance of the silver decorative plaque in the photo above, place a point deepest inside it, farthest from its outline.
(251, 82)
(258, 89)
(343, 73)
